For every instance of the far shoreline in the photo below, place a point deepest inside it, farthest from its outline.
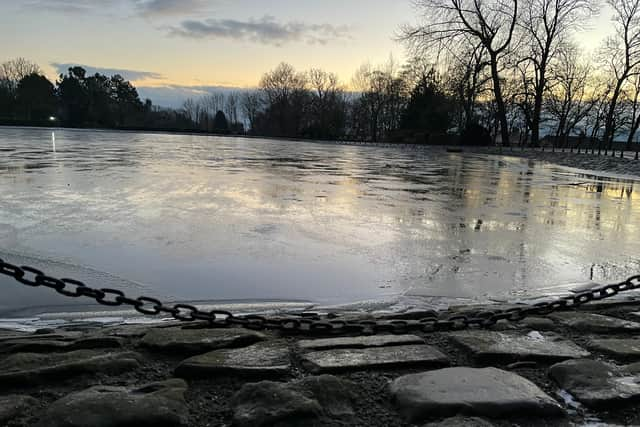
(628, 167)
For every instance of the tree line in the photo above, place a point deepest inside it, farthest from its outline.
(76, 99)
(380, 102)
(515, 68)
(383, 101)
(506, 71)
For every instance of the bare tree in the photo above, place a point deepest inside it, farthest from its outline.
(632, 98)
(570, 97)
(469, 80)
(597, 116)
(251, 104)
(326, 104)
(231, 107)
(545, 25)
(369, 106)
(284, 91)
(623, 56)
(383, 95)
(213, 103)
(517, 102)
(490, 23)
(192, 110)
(11, 72)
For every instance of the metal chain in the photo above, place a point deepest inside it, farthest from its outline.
(313, 323)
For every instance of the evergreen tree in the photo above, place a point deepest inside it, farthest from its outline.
(36, 98)
(429, 109)
(73, 96)
(220, 123)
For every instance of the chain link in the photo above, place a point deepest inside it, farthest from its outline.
(312, 323)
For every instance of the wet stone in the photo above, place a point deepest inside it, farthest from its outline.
(371, 358)
(487, 392)
(13, 406)
(633, 369)
(65, 336)
(33, 346)
(267, 402)
(332, 393)
(42, 346)
(460, 422)
(30, 368)
(359, 342)
(596, 383)
(262, 359)
(44, 331)
(538, 324)
(10, 334)
(195, 341)
(305, 402)
(595, 323)
(628, 348)
(489, 346)
(159, 404)
(127, 331)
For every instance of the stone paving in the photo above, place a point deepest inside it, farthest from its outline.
(567, 369)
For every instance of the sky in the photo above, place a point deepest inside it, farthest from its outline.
(173, 49)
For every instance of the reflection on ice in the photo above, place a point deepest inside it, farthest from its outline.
(203, 218)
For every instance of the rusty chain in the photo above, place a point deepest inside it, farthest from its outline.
(312, 323)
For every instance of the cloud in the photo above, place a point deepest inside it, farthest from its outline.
(265, 30)
(127, 74)
(146, 8)
(64, 6)
(153, 8)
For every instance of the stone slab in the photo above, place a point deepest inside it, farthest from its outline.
(296, 403)
(13, 406)
(461, 422)
(596, 384)
(359, 342)
(33, 346)
(127, 331)
(47, 345)
(153, 405)
(270, 358)
(632, 369)
(196, 341)
(628, 348)
(539, 324)
(29, 368)
(371, 358)
(63, 336)
(333, 394)
(595, 323)
(487, 392)
(490, 346)
(266, 403)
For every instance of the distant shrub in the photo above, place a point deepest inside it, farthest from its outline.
(477, 135)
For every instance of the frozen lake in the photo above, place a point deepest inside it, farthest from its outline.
(196, 218)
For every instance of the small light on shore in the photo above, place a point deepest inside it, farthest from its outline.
(52, 119)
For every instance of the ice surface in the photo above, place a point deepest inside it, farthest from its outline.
(195, 218)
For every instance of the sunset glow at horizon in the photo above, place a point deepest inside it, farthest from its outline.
(197, 43)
